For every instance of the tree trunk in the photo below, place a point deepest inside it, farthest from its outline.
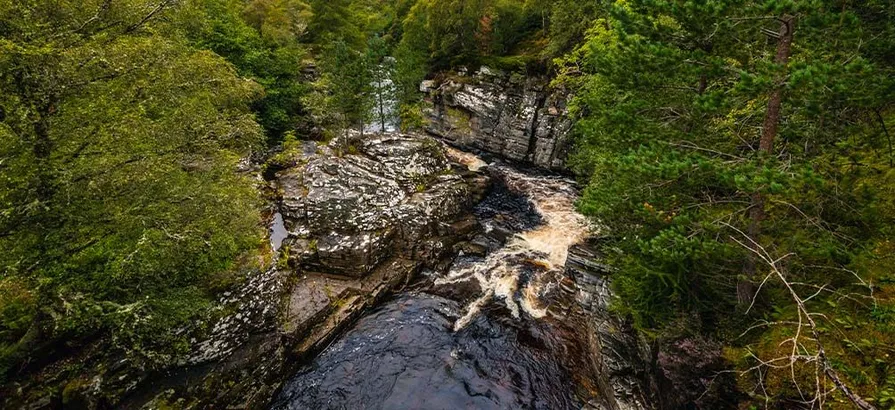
(379, 91)
(746, 286)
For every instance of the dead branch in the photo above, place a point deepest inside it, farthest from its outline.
(820, 356)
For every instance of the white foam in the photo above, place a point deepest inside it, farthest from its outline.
(547, 245)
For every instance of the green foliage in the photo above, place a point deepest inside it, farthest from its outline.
(452, 33)
(569, 21)
(412, 56)
(344, 92)
(261, 38)
(412, 117)
(333, 20)
(671, 106)
(119, 204)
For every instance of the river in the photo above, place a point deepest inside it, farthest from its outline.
(485, 334)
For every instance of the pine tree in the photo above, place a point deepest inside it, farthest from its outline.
(348, 74)
(715, 131)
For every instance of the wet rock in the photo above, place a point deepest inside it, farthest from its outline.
(694, 374)
(621, 358)
(471, 248)
(360, 226)
(349, 213)
(521, 119)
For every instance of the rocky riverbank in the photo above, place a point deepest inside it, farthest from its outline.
(363, 217)
(503, 252)
(517, 318)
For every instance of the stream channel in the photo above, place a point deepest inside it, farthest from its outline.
(488, 334)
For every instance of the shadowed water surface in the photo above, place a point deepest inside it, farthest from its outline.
(405, 355)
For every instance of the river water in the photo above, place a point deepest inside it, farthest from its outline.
(484, 335)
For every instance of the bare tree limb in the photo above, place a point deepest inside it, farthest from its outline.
(820, 357)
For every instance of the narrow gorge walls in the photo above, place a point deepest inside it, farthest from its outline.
(513, 116)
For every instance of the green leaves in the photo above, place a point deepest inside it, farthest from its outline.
(119, 151)
(261, 38)
(671, 101)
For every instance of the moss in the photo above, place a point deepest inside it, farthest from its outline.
(166, 401)
(283, 260)
(73, 393)
(459, 119)
(412, 117)
(515, 63)
(17, 309)
(433, 148)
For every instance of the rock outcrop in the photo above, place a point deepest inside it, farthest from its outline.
(518, 118)
(399, 197)
(363, 217)
(622, 361)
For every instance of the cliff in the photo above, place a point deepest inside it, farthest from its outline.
(519, 118)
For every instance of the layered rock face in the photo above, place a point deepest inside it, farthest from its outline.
(622, 361)
(397, 198)
(677, 373)
(515, 117)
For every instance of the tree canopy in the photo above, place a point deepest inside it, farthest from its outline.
(119, 203)
(738, 156)
(726, 142)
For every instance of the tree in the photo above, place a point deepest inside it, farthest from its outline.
(382, 68)
(262, 39)
(412, 55)
(348, 80)
(784, 37)
(119, 203)
(698, 120)
(334, 21)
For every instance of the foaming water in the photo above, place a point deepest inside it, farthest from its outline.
(531, 262)
(472, 338)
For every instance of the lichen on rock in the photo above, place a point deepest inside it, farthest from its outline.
(518, 119)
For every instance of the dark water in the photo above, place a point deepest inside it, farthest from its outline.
(486, 342)
(405, 355)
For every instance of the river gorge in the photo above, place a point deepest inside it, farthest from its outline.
(405, 270)
(481, 335)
